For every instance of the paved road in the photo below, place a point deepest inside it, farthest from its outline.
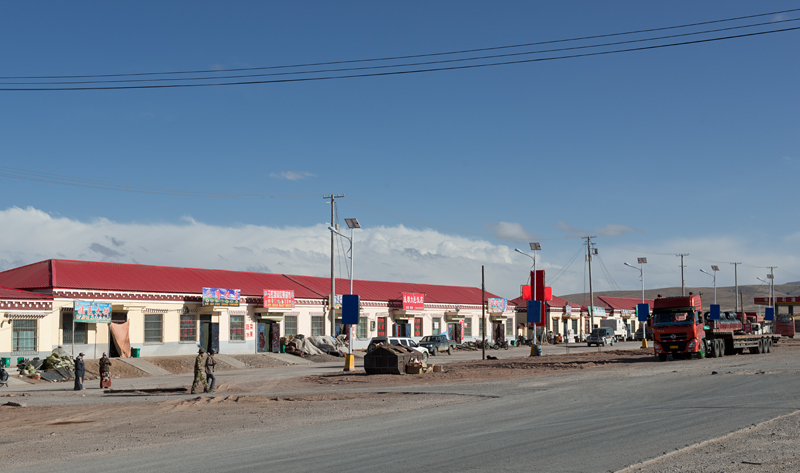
(575, 422)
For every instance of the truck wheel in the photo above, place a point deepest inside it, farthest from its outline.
(588, 344)
(450, 350)
(662, 357)
(433, 351)
(717, 349)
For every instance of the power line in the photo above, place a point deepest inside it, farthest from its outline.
(392, 58)
(392, 73)
(387, 66)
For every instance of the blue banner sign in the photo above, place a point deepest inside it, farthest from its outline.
(534, 312)
(769, 313)
(642, 312)
(215, 296)
(93, 312)
(714, 314)
(350, 309)
(497, 305)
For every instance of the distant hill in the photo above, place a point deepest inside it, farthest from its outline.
(725, 295)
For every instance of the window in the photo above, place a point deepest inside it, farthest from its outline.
(510, 327)
(237, 328)
(291, 325)
(362, 327)
(317, 326)
(468, 327)
(153, 328)
(437, 326)
(418, 327)
(81, 329)
(24, 336)
(188, 328)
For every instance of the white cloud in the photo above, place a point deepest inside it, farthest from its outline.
(291, 175)
(511, 231)
(381, 253)
(615, 230)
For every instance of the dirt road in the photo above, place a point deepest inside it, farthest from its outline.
(109, 423)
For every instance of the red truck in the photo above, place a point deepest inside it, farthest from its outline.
(681, 329)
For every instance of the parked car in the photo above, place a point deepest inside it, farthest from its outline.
(400, 341)
(601, 336)
(438, 343)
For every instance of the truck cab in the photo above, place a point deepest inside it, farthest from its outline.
(678, 328)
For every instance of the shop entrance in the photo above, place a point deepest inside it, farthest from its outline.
(269, 337)
(117, 318)
(209, 333)
(402, 329)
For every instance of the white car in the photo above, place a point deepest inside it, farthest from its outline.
(402, 341)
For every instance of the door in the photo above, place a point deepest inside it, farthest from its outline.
(275, 339)
(381, 326)
(116, 318)
(209, 333)
(262, 339)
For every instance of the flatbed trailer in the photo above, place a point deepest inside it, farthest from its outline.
(681, 330)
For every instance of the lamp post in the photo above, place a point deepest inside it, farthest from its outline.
(352, 223)
(641, 262)
(714, 268)
(534, 246)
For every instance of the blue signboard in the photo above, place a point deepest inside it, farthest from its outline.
(769, 313)
(642, 312)
(350, 306)
(714, 315)
(92, 312)
(534, 312)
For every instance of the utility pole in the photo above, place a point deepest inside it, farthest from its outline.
(332, 298)
(736, 282)
(683, 281)
(591, 292)
(772, 290)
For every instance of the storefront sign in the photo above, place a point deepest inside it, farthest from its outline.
(567, 310)
(93, 312)
(214, 296)
(413, 301)
(497, 305)
(278, 299)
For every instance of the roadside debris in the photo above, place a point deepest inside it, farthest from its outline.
(57, 367)
(301, 345)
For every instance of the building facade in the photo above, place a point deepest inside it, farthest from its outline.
(160, 310)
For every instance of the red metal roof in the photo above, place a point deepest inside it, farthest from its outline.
(10, 293)
(68, 274)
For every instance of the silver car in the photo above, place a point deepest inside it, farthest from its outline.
(601, 336)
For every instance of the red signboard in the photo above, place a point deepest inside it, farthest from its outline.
(278, 299)
(526, 293)
(778, 300)
(413, 301)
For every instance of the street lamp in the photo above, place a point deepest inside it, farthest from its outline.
(714, 268)
(534, 246)
(351, 224)
(641, 262)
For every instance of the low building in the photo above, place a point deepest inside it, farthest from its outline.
(164, 310)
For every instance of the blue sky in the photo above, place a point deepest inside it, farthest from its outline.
(691, 149)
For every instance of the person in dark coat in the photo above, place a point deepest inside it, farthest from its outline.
(105, 371)
(80, 372)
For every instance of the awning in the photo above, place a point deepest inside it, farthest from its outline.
(237, 311)
(155, 311)
(26, 315)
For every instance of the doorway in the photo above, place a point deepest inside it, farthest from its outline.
(268, 337)
(209, 333)
(116, 318)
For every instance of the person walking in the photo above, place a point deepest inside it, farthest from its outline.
(80, 372)
(211, 363)
(198, 373)
(105, 371)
